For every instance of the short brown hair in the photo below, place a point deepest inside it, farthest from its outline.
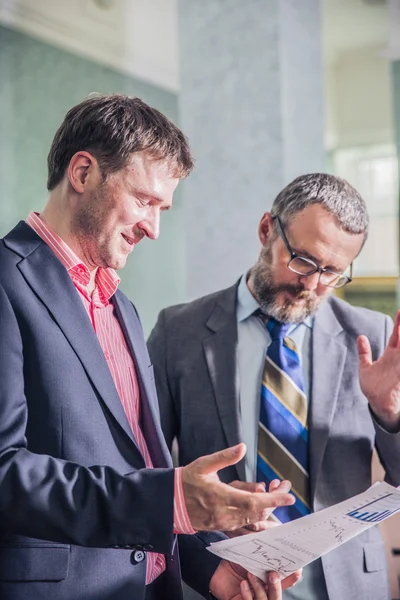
(112, 128)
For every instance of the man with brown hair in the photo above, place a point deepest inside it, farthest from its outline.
(89, 501)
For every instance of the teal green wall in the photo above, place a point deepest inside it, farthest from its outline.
(38, 84)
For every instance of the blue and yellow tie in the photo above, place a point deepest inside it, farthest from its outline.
(282, 450)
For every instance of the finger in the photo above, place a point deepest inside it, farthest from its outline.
(257, 506)
(275, 483)
(292, 579)
(258, 588)
(249, 486)
(395, 337)
(238, 532)
(274, 586)
(284, 486)
(219, 460)
(258, 510)
(261, 526)
(364, 351)
(261, 507)
(245, 590)
(242, 508)
(275, 499)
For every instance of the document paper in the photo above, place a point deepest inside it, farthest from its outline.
(293, 545)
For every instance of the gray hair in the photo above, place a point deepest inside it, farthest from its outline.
(336, 195)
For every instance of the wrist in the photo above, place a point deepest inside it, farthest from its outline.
(387, 420)
(215, 581)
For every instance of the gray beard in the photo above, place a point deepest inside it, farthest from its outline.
(266, 295)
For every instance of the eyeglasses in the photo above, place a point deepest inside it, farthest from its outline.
(306, 266)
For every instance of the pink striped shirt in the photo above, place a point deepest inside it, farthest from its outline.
(119, 360)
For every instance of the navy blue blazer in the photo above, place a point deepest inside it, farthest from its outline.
(76, 501)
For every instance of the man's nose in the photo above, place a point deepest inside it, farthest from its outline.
(310, 282)
(151, 224)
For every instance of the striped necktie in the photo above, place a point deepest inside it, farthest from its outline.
(282, 432)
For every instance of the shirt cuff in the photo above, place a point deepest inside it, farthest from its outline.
(182, 522)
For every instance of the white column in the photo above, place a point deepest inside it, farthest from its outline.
(251, 103)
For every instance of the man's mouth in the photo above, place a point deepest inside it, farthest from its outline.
(128, 240)
(298, 295)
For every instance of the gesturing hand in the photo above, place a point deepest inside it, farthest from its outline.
(380, 380)
(275, 486)
(213, 505)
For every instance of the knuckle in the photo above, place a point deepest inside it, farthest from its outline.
(237, 485)
(265, 514)
(209, 520)
(223, 454)
(252, 504)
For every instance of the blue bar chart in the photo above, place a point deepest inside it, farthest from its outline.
(376, 511)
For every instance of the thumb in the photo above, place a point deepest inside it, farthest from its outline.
(395, 337)
(219, 460)
(364, 351)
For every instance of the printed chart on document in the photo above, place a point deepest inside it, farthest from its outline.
(293, 545)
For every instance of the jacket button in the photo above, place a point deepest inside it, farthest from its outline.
(137, 557)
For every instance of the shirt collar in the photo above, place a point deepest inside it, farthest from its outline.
(107, 280)
(247, 305)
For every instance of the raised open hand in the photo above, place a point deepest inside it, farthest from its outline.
(380, 379)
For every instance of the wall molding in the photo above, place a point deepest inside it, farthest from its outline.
(100, 35)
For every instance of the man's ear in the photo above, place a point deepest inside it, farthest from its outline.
(82, 170)
(265, 228)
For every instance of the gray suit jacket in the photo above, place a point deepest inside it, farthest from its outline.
(193, 348)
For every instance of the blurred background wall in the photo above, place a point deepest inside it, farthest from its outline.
(265, 90)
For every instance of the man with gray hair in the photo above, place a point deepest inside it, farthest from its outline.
(279, 362)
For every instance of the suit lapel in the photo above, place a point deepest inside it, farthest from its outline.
(132, 330)
(328, 359)
(50, 281)
(220, 350)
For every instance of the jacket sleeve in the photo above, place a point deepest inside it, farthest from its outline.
(53, 499)
(193, 553)
(157, 346)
